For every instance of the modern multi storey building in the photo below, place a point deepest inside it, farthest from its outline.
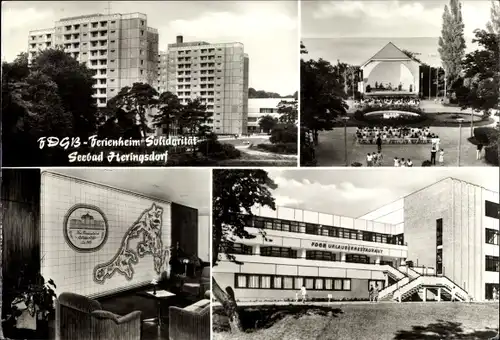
(424, 244)
(258, 107)
(216, 73)
(121, 48)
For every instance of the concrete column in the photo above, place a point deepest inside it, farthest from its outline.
(377, 260)
(342, 257)
(439, 295)
(256, 249)
(425, 294)
(303, 253)
(386, 277)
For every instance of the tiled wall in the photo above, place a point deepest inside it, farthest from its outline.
(72, 271)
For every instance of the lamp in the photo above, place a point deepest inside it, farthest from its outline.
(154, 282)
(186, 262)
(460, 121)
(345, 119)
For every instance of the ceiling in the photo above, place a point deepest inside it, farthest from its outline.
(190, 187)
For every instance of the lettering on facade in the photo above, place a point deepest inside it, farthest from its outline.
(345, 247)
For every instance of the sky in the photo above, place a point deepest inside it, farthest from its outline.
(355, 192)
(268, 29)
(353, 31)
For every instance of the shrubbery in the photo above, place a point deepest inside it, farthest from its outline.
(283, 148)
(491, 154)
(426, 163)
(284, 133)
(486, 135)
(214, 149)
(401, 120)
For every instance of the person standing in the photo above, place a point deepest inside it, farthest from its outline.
(479, 151)
(379, 143)
(396, 162)
(453, 294)
(433, 154)
(370, 293)
(441, 157)
(369, 159)
(303, 291)
(375, 293)
(379, 158)
(409, 163)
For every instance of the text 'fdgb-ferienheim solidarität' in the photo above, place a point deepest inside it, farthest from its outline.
(94, 149)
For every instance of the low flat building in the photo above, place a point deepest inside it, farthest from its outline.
(258, 107)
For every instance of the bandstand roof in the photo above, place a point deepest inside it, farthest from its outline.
(389, 52)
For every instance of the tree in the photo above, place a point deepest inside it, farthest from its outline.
(322, 96)
(169, 111)
(252, 93)
(234, 194)
(493, 26)
(32, 108)
(452, 41)
(193, 116)
(267, 123)
(303, 49)
(137, 100)
(411, 55)
(288, 111)
(74, 87)
(479, 89)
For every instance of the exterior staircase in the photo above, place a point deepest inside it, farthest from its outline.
(413, 283)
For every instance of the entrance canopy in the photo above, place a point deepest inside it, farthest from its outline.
(390, 72)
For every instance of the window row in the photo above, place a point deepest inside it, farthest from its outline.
(323, 230)
(258, 281)
(320, 255)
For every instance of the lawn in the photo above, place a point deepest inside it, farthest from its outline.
(382, 321)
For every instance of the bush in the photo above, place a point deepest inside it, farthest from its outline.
(284, 134)
(486, 135)
(227, 151)
(356, 164)
(402, 120)
(283, 148)
(491, 154)
(307, 155)
(426, 163)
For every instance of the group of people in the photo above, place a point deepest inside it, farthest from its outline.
(386, 101)
(386, 133)
(401, 162)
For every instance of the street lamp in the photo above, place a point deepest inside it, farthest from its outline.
(460, 121)
(345, 119)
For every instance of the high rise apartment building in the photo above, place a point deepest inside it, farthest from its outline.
(216, 73)
(121, 48)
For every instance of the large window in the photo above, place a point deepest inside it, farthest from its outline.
(290, 282)
(491, 290)
(278, 252)
(439, 232)
(320, 255)
(491, 209)
(492, 236)
(439, 261)
(492, 264)
(239, 248)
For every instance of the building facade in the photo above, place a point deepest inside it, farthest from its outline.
(120, 48)
(258, 107)
(443, 236)
(216, 73)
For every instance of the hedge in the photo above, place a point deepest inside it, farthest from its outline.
(283, 148)
(486, 135)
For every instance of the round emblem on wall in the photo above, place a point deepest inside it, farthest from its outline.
(85, 228)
